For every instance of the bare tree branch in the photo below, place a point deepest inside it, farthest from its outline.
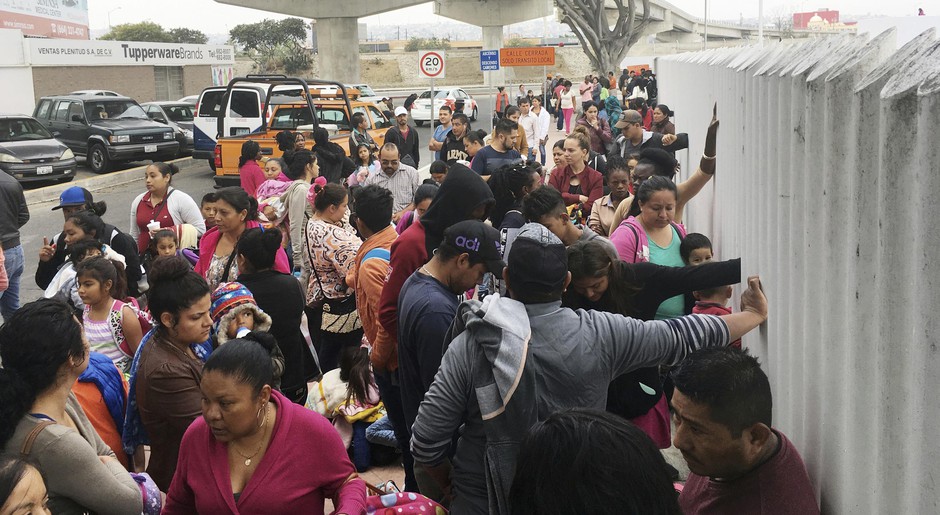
(604, 43)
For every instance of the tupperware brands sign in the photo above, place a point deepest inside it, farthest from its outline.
(60, 52)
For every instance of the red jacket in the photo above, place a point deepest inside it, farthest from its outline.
(592, 184)
(408, 253)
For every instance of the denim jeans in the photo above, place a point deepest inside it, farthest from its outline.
(10, 298)
(531, 155)
(542, 153)
(382, 432)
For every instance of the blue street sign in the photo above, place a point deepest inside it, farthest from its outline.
(489, 60)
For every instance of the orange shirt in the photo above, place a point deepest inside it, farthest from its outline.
(370, 279)
(97, 412)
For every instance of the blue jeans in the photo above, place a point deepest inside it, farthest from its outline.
(531, 155)
(14, 264)
(382, 432)
(542, 153)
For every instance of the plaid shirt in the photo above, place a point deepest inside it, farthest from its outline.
(402, 184)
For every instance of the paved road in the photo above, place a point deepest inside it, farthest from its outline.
(195, 180)
(424, 134)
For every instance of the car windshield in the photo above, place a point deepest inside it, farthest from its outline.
(179, 113)
(100, 110)
(437, 94)
(366, 90)
(22, 129)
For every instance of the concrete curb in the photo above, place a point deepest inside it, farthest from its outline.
(100, 182)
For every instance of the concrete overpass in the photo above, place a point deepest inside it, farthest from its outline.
(337, 24)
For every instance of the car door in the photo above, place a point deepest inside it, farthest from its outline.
(379, 126)
(244, 113)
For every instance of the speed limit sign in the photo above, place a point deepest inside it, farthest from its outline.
(431, 64)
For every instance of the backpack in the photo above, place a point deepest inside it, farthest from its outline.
(642, 256)
(117, 330)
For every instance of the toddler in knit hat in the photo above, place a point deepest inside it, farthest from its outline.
(235, 314)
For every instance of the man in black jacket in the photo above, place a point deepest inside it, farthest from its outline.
(13, 215)
(405, 138)
(634, 138)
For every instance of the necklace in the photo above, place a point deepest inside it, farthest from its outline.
(428, 272)
(260, 444)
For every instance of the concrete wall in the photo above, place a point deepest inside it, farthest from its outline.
(828, 185)
(15, 75)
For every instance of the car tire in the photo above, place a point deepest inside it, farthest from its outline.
(420, 123)
(98, 159)
(473, 114)
(211, 164)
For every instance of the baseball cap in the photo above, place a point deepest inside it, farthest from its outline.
(400, 111)
(538, 262)
(479, 241)
(628, 116)
(74, 196)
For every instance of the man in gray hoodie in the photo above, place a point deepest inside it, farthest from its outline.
(513, 362)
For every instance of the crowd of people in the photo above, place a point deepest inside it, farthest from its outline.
(520, 340)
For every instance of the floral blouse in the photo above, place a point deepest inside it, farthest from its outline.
(330, 251)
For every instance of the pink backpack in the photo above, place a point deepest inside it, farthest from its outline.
(117, 330)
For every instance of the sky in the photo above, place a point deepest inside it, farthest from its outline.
(214, 18)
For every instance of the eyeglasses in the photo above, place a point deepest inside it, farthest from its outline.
(389, 163)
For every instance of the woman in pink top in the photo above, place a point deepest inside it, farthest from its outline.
(254, 451)
(249, 172)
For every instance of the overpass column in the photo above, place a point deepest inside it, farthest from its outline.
(338, 49)
(493, 40)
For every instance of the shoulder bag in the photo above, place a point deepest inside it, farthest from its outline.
(339, 315)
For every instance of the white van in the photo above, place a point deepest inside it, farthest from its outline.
(244, 108)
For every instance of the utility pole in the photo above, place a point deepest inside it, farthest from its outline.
(705, 36)
(760, 22)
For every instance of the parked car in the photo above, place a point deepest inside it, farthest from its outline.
(95, 93)
(242, 114)
(191, 99)
(367, 94)
(28, 151)
(106, 129)
(177, 115)
(456, 98)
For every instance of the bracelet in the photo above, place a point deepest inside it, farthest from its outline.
(709, 158)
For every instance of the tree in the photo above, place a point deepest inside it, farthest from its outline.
(155, 33)
(432, 43)
(605, 45)
(517, 42)
(143, 31)
(184, 35)
(272, 44)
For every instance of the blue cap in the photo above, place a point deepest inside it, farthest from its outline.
(74, 196)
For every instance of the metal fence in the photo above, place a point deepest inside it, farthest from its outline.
(828, 185)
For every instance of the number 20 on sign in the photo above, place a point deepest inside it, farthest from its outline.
(431, 64)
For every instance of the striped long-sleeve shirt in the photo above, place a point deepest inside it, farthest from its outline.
(573, 356)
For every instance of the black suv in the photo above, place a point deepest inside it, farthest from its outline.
(106, 129)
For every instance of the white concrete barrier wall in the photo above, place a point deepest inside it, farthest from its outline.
(828, 185)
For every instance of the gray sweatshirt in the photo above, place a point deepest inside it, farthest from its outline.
(571, 359)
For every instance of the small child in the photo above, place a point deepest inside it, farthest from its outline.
(697, 249)
(112, 327)
(349, 397)
(63, 284)
(166, 242)
(235, 314)
(438, 171)
(208, 208)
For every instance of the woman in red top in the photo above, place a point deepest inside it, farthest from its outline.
(254, 451)
(578, 182)
(164, 205)
(249, 171)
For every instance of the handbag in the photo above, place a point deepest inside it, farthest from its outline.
(339, 315)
